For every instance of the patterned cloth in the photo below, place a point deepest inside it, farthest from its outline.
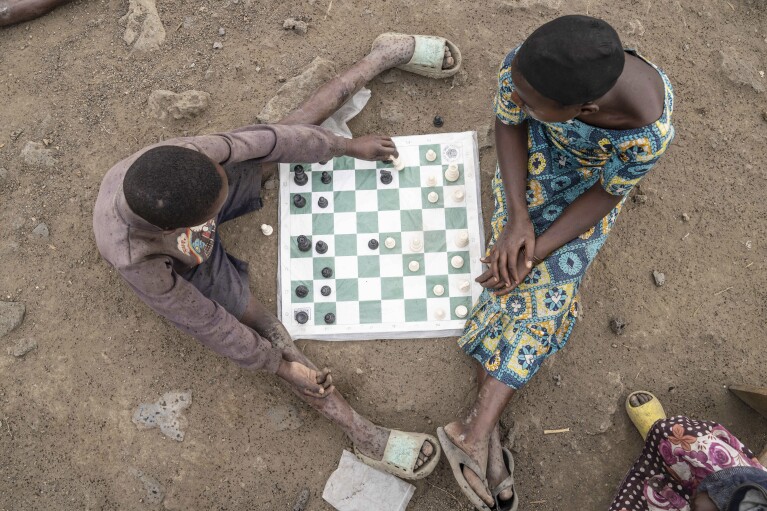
(512, 335)
(679, 454)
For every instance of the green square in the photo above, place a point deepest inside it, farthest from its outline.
(391, 288)
(455, 218)
(432, 205)
(367, 222)
(459, 300)
(388, 200)
(413, 257)
(307, 207)
(294, 252)
(318, 185)
(320, 309)
(308, 298)
(322, 223)
(344, 202)
(433, 280)
(370, 312)
(411, 220)
(346, 244)
(415, 310)
(397, 237)
(460, 179)
(369, 266)
(422, 152)
(410, 177)
(343, 163)
(466, 268)
(320, 263)
(346, 290)
(365, 179)
(434, 241)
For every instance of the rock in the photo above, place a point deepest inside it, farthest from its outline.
(222, 31)
(391, 113)
(155, 493)
(741, 70)
(297, 26)
(41, 230)
(143, 27)
(659, 278)
(606, 399)
(557, 380)
(764, 115)
(184, 105)
(284, 417)
(635, 28)
(301, 500)
(217, 45)
(640, 198)
(531, 4)
(164, 414)
(297, 89)
(11, 316)
(271, 184)
(35, 153)
(685, 217)
(3, 174)
(390, 76)
(485, 136)
(22, 347)
(618, 325)
(460, 78)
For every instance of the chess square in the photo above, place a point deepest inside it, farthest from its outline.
(329, 240)
(415, 310)
(302, 269)
(367, 200)
(344, 201)
(437, 280)
(346, 267)
(345, 223)
(435, 304)
(392, 288)
(455, 301)
(434, 241)
(466, 268)
(369, 266)
(347, 313)
(396, 249)
(433, 219)
(411, 220)
(423, 149)
(456, 218)
(318, 286)
(345, 245)
(391, 266)
(410, 198)
(393, 311)
(295, 253)
(426, 203)
(366, 180)
(322, 224)
(407, 259)
(344, 180)
(363, 244)
(414, 286)
(316, 180)
(410, 177)
(307, 207)
(436, 263)
(394, 179)
(301, 224)
(364, 164)
(320, 263)
(295, 284)
(347, 291)
(344, 163)
(315, 198)
(367, 222)
(390, 221)
(388, 200)
(370, 312)
(321, 310)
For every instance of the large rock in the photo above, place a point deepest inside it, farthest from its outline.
(35, 153)
(297, 89)
(11, 316)
(184, 105)
(741, 69)
(165, 414)
(143, 27)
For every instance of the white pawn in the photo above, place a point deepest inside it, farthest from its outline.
(267, 229)
(462, 239)
(461, 311)
(413, 266)
(397, 163)
(390, 243)
(440, 313)
(458, 195)
(433, 197)
(457, 262)
(452, 174)
(465, 286)
(430, 155)
(416, 245)
(431, 180)
(438, 290)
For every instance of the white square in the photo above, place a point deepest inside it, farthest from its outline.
(409, 155)
(347, 313)
(391, 265)
(455, 281)
(346, 267)
(452, 237)
(431, 170)
(364, 164)
(392, 312)
(394, 180)
(410, 198)
(407, 240)
(434, 304)
(301, 224)
(389, 221)
(315, 197)
(367, 200)
(435, 263)
(414, 286)
(434, 219)
(362, 244)
(344, 223)
(318, 285)
(294, 188)
(450, 201)
(344, 180)
(369, 289)
(301, 268)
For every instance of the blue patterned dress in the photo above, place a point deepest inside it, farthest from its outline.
(512, 335)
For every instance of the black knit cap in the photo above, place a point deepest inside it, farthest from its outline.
(573, 59)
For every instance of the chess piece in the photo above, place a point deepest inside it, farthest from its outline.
(390, 243)
(304, 245)
(321, 247)
(327, 272)
(386, 177)
(413, 266)
(299, 201)
(326, 178)
(430, 155)
(439, 313)
(302, 317)
(456, 262)
(452, 174)
(300, 177)
(465, 286)
(438, 122)
(431, 180)
(325, 290)
(330, 318)
(438, 290)
(397, 163)
(461, 311)
(462, 239)
(322, 202)
(416, 245)
(459, 195)
(373, 244)
(267, 230)
(302, 291)
(433, 197)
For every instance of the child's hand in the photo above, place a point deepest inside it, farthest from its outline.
(516, 242)
(313, 383)
(371, 147)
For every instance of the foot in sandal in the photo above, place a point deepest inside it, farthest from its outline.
(430, 56)
(644, 410)
(406, 455)
(464, 452)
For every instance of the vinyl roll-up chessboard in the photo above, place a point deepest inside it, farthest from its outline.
(370, 252)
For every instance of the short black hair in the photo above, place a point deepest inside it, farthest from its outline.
(172, 186)
(572, 59)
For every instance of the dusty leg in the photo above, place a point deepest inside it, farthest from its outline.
(369, 438)
(16, 11)
(496, 467)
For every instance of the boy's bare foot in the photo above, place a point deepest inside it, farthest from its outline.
(372, 443)
(477, 449)
(496, 466)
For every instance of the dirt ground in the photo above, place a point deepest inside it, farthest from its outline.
(66, 438)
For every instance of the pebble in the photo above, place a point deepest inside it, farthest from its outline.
(614, 345)
(640, 199)
(155, 493)
(557, 380)
(297, 26)
(685, 217)
(301, 500)
(222, 31)
(659, 278)
(143, 26)
(22, 347)
(165, 414)
(41, 230)
(217, 45)
(271, 184)
(182, 105)
(618, 325)
(35, 153)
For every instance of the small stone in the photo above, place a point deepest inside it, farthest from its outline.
(433, 197)
(183, 105)
(155, 493)
(640, 199)
(557, 380)
(267, 229)
(330, 318)
(386, 177)
(485, 137)
(299, 201)
(41, 230)
(327, 272)
(297, 26)
(390, 243)
(271, 184)
(614, 345)
(413, 266)
(22, 347)
(222, 31)
(322, 202)
(659, 278)
(296, 90)
(461, 311)
(618, 325)
(11, 316)
(326, 178)
(430, 155)
(373, 244)
(143, 26)
(438, 290)
(325, 290)
(304, 245)
(165, 414)
(438, 121)
(302, 291)
(35, 153)
(302, 499)
(456, 262)
(685, 217)
(217, 45)
(302, 317)
(321, 247)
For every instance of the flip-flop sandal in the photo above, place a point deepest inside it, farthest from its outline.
(513, 503)
(401, 453)
(644, 416)
(459, 459)
(428, 55)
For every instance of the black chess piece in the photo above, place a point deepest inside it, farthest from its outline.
(386, 177)
(326, 178)
(302, 291)
(300, 177)
(299, 201)
(325, 290)
(327, 272)
(330, 318)
(321, 247)
(304, 245)
(438, 121)
(322, 202)
(302, 317)
(373, 244)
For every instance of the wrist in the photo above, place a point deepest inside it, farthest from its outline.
(348, 146)
(542, 249)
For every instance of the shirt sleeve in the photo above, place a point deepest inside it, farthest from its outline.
(176, 299)
(505, 109)
(633, 158)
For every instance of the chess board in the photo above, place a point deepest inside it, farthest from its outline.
(374, 293)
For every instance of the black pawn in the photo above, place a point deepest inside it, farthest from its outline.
(321, 247)
(386, 177)
(438, 121)
(302, 317)
(373, 244)
(304, 245)
(327, 272)
(299, 201)
(326, 178)
(302, 291)
(323, 202)
(325, 290)
(330, 318)
(300, 178)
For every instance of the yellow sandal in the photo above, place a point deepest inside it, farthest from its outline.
(644, 416)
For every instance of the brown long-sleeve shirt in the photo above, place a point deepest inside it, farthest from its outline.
(151, 259)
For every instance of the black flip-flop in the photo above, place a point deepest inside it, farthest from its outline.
(459, 459)
(513, 503)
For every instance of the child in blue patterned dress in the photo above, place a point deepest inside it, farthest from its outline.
(579, 121)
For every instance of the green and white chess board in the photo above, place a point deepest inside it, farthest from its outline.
(379, 293)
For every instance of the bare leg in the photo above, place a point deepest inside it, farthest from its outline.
(16, 11)
(369, 438)
(496, 467)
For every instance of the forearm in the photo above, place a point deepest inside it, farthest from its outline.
(511, 144)
(577, 218)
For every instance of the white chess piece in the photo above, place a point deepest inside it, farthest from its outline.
(462, 239)
(438, 290)
(464, 286)
(452, 174)
(457, 262)
(413, 266)
(267, 229)
(430, 155)
(461, 311)
(416, 245)
(433, 197)
(390, 243)
(458, 195)
(431, 180)
(397, 163)
(440, 313)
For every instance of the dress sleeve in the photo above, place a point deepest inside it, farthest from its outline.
(633, 158)
(505, 109)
